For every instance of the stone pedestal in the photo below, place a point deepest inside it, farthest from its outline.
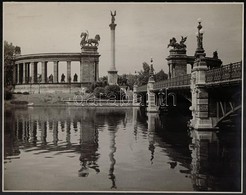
(177, 62)
(112, 77)
(152, 104)
(89, 64)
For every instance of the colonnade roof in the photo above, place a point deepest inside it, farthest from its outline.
(39, 57)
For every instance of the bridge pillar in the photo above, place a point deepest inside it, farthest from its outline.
(177, 63)
(199, 94)
(152, 106)
(135, 96)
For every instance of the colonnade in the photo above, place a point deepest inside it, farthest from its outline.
(27, 72)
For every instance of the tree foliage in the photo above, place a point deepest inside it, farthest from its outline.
(160, 76)
(99, 92)
(9, 52)
(143, 76)
(114, 92)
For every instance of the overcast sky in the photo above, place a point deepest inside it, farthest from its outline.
(143, 30)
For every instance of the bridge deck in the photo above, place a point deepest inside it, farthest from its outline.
(225, 75)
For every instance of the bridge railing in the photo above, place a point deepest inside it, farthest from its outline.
(180, 81)
(226, 72)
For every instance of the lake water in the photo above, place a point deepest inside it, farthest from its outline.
(116, 149)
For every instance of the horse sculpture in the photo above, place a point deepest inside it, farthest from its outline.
(83, 37)
(173, 43)
(95, 40)
(88, 42)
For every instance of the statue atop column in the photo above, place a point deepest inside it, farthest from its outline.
(113, 16)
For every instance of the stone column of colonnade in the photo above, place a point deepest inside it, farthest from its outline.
(56, 71)
(24, 73)
(17, 73)
(34, 73)
(69, 71)
(44, 72)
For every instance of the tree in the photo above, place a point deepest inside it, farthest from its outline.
(160, 76)
(9, 52)
(144, 75)
(99, 92)
(114, 91)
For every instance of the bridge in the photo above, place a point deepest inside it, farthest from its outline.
(212, 90)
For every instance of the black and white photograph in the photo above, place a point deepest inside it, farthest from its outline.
(126, 97)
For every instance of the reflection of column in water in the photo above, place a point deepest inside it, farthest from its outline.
(31, 129)
(55, 132)
(134, 121)
(204, 144)
(113, 148)
(35, 127)
(28, 129)
(43, 132)
(75, 125)
(17, 127)
(62, 126)
(50, 125)
(68, 133)
(89, 147)
(152, 117)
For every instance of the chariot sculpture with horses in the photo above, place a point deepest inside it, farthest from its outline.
(173, 43)
(85, 41)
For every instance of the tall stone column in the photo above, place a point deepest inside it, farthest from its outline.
(68, 70)
(24, 73)
(44, 72)
(56, 72)
(112, 73)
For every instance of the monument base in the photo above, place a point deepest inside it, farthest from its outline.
(51, 88)
(112, 77)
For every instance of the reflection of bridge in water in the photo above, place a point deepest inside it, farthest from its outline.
(72, 131)
(200, 153)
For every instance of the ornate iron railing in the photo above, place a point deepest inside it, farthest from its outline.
(226, 72)
(142, 88)
(180, 81)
